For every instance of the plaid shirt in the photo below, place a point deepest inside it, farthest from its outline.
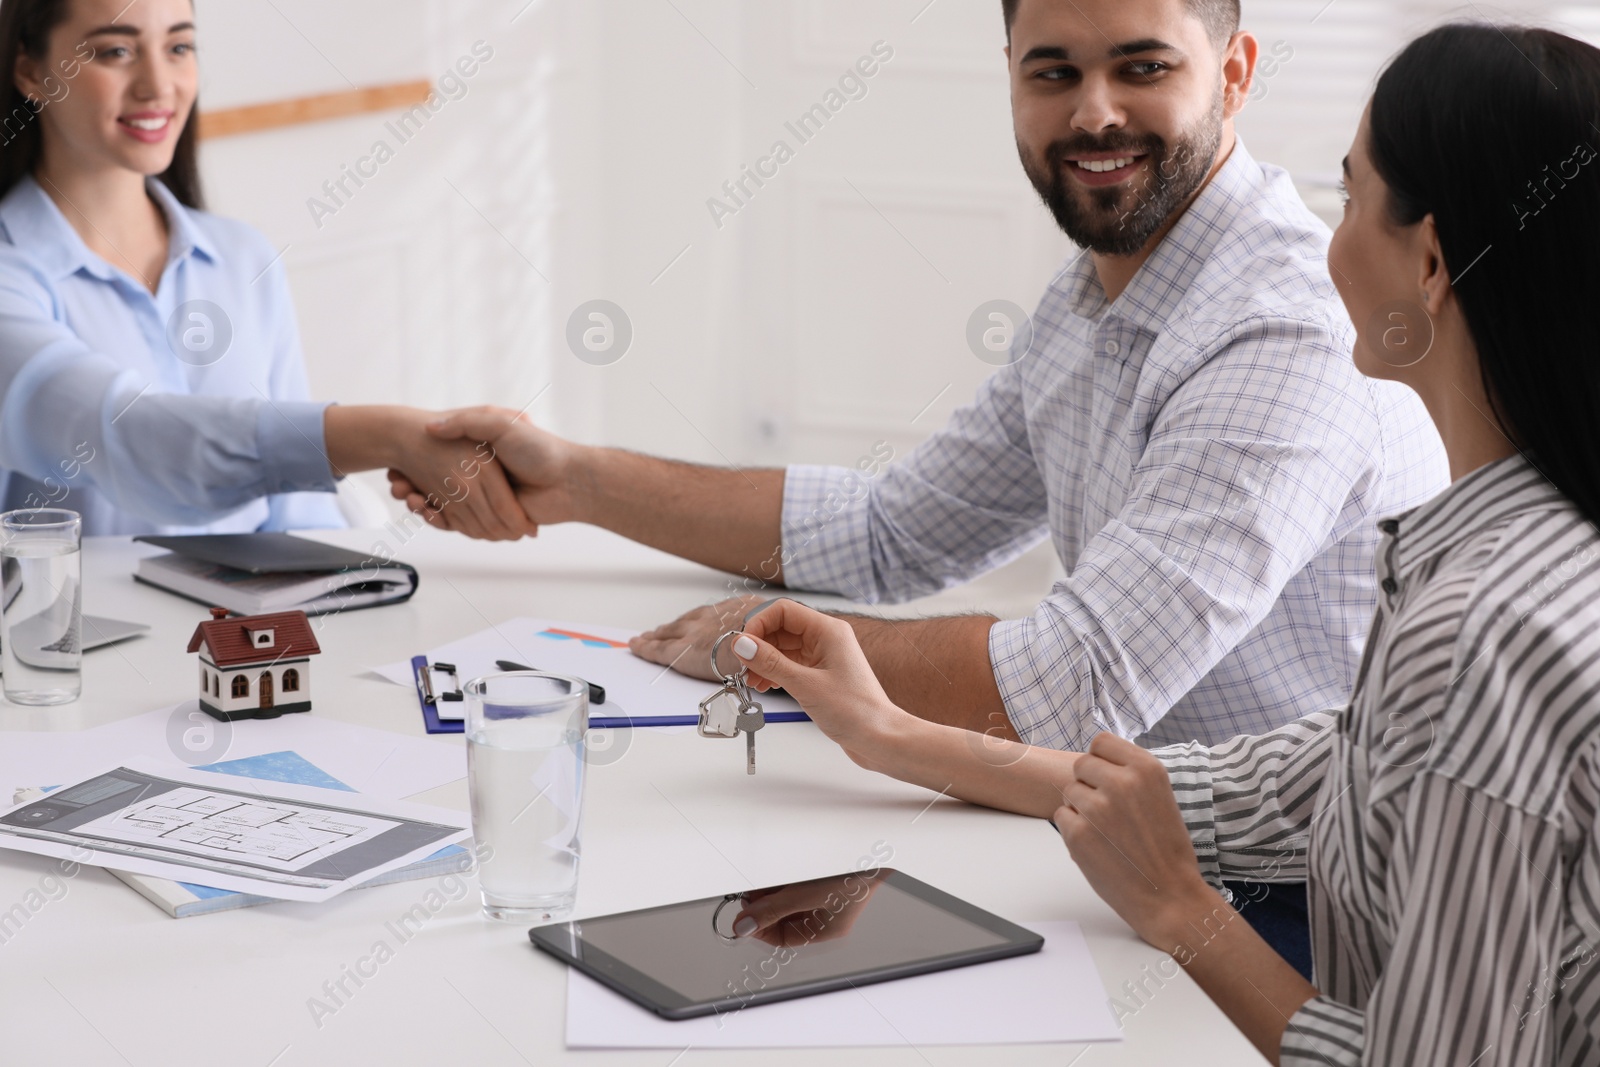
(1208, 461)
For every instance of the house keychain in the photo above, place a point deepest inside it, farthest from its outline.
(732, 710)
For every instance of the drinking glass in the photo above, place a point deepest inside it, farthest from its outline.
(41, 620)
(526, 732)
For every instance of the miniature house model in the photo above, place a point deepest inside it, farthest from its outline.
(255, 666)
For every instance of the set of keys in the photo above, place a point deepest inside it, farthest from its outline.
(732, 710)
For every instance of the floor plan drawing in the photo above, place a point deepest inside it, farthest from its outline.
(223, 825)
(278, 839)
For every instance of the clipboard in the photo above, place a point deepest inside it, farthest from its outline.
(429, 696)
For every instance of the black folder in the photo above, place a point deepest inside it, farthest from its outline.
(246, 563)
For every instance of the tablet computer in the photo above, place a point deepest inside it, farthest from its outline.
(701, 956)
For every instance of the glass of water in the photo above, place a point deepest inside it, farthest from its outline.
(41, 622)
(526, 732)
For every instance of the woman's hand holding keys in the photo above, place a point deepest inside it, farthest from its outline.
(817, 659)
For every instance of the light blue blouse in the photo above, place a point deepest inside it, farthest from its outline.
(182, 411)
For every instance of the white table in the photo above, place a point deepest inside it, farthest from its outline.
(100, 976)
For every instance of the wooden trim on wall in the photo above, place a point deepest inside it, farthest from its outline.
(228, 122)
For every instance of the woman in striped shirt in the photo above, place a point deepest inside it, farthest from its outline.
(1445, 819)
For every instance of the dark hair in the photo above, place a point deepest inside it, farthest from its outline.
(1490, 129)
(1220, 16)
(25, 28)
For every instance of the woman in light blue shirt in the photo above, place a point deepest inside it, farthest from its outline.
(151, 376)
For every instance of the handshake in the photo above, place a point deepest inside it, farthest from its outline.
(490, 473)
(486, 472)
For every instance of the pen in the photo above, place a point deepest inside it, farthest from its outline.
(597, 694)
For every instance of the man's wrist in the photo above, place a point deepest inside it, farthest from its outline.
(583, 474)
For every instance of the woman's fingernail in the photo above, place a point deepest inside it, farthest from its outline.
(744, 646)
(744, 927)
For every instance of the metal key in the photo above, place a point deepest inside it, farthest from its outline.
(751, 718)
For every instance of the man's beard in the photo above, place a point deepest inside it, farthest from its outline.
(1119, 220)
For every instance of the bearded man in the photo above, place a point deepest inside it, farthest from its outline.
(1186, 424)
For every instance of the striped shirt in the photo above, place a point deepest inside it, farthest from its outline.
(1207, 460)
(1445, 819)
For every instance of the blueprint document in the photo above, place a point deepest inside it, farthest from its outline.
(279, 840)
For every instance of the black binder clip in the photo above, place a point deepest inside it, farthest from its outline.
(432, 693)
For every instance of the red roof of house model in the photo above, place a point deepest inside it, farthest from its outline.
(229, 639)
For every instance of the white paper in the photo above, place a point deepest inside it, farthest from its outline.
(215, 826)
(1051, 996)
(634, 687)
(375, 762)
(205, 824)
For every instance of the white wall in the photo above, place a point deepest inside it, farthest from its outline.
(827, 314)
(1306, 107)
(831, 310)
(425, 287)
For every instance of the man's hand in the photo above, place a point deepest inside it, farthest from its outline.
(538, 462)
(684, 644)
(817, 659)
(459, 485)
(1121, 824)
(936, 668)
(467, 490)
